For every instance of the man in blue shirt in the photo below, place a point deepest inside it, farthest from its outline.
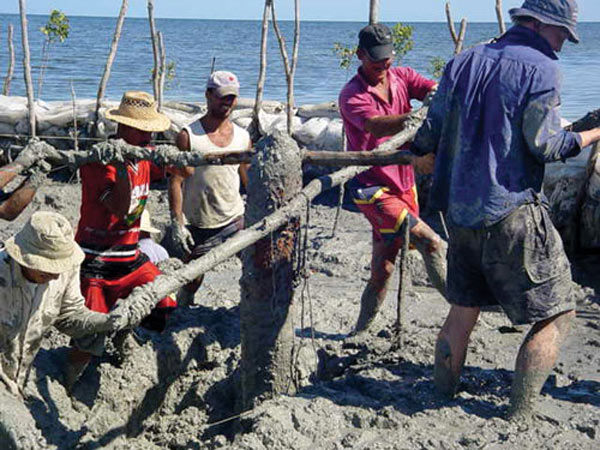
(493, 125)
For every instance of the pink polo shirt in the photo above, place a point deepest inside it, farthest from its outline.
(359, 101)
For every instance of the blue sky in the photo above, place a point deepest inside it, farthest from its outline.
(391, 10)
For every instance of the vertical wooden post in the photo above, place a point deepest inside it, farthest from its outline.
(11, 62)
(27, 67)
(500, 17)
(260, 85)
(267, 281)
(111, 56)
(163, 69)
(404, 284)
(373, 11)
(154, 48)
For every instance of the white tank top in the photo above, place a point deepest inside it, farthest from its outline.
(211, 196)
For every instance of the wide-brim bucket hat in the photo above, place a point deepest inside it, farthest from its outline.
(138, 110)
(146, 223)
(561, 13)
(46, 242)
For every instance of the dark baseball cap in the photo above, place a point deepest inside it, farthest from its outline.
(561, 13)
(376, 41)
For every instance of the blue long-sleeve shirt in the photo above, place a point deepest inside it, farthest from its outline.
(493, 125)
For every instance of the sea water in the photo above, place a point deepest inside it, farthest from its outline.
(192, 44)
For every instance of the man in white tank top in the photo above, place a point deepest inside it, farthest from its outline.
(206, 205)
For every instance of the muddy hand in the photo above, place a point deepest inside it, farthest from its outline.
(182, 238)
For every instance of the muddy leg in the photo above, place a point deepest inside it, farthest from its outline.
(382, 267)
(535, 360)
(77, 361)
(434, 250)
(451, 348)
(18, 429)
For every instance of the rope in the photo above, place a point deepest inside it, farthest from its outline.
(229, 419)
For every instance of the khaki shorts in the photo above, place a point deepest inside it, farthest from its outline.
(518, 263)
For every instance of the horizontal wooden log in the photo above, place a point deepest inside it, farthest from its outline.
(146, 296)
(367, 158)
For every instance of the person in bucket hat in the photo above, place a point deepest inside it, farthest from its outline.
(114, 197)
(205, 202)
(493, 125)
(374, 106)
(40, 267)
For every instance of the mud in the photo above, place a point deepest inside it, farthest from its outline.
(179, 389)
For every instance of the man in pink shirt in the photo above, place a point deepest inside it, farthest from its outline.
(374, 105)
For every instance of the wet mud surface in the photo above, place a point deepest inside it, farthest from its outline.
(176, 389)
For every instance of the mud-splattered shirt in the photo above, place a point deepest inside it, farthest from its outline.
(493, 124)
(28, 310)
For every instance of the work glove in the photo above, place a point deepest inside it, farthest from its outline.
(182, 238)
(29, 155)
(107, 153)
(38, 172)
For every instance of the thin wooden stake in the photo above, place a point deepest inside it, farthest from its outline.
(373, 11)
(111, 56)
(262, 74)
(461, 36)
(155, 86)
(500, 17)
(11, 62)
(27, 67)
(450, 22)
(404, 283)
(163, 69)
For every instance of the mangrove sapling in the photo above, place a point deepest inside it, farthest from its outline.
(56, 30)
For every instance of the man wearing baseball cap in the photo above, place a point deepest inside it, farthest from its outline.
(206, 205)
(39, 269)
(493, 125)
(374, 106)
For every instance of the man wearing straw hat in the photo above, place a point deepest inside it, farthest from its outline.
(113, 199)
(493, 124)
(39, 273)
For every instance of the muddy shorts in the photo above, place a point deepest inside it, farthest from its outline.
(102, 294)
(205, 239)
(518, 263)
(385, 210)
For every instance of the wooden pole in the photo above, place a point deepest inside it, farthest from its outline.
(290, 69)
(404, 283)
(461, 36)
(500, 17)
(155, 88)
(450, 22)
(109, 61)
(262, 74)
(163, 69)
(267, 334)
(27, 67)
(11, 62)
(373, 11)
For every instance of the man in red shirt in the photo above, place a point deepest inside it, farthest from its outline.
(374, 105)
(113, 199)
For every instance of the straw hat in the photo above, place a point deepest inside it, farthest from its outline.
(45, 243)
(146, 223)
(138, 110)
